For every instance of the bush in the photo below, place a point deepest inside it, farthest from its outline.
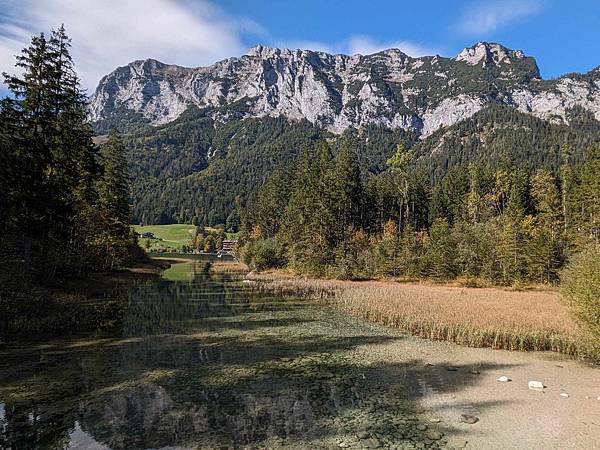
(262, 254)
(581, 288)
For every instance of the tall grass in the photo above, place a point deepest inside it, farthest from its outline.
(532, 320)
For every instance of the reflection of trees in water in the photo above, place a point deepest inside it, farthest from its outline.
(169, 307)
(146, 416)
(26, 426)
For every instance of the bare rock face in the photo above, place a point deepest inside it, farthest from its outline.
(335, 92)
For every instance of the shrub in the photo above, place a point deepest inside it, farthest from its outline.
(262, 254)
(581, 288)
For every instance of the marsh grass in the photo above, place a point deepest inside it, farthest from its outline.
(525, 320)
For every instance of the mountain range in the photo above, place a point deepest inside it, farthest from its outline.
(185, 126)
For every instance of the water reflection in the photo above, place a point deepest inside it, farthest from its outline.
(203, 362)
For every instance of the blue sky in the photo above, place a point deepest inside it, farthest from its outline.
(564, 36)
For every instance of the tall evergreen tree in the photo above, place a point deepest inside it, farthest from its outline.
(48, 117)
(347, 192)
(309, 219)
(113, 202)
(589, 208)
(544, 252)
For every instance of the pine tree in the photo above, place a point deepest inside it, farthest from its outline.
(589, 197)
(52, 148)
(113, 202)
(388, 251)
(514, 225)
(309, 219)
(440, 254)
(544, 252)
(348, 189)
(265, 209)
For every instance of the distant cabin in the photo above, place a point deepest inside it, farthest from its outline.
(229, 247)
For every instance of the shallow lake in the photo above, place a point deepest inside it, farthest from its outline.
(202, 361)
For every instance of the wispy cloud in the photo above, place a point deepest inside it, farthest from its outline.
(360, 44)
(109, 33)
(487, 16)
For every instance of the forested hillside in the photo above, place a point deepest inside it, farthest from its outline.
(174, 181)
(498, 133)
(195, 170)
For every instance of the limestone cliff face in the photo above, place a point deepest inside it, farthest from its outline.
(335, 92)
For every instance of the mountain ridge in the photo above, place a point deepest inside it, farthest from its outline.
(337, 92)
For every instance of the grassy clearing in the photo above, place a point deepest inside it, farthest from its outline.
(172, 236)
(533, 320)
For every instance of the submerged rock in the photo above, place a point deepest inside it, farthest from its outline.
(433, 435)
(468, 418)
(372, 443)
(363, 434)
(536, 385)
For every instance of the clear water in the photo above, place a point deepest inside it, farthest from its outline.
(203, 362)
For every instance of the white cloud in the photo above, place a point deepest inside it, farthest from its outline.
(111, 33)
(360, 44)
(488, 16)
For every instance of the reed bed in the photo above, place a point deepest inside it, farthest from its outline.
(533, 320)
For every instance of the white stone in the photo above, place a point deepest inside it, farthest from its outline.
(504, 379)
(564, 394)
(536, 385)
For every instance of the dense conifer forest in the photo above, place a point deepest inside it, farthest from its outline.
(504, 222)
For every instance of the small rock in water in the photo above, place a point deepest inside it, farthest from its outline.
(433, 435)
(458, 443)
(468, 418)
(564, 394)
(475, 372)
(325, 375)
(536, 385)
(504, 379)
(372, 443)
(363, 435)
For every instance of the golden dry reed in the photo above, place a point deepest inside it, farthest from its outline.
(533, 320)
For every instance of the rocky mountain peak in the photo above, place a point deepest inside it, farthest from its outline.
(488, 53)
(336, 92)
